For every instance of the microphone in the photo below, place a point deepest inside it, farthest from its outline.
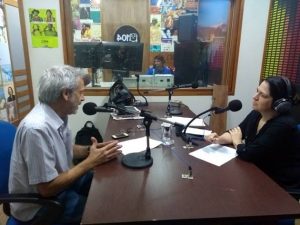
(192, 85)
(234, 105)
(155, 118)
(120, 110)
(91, 108)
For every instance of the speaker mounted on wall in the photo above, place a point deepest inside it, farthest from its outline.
(187, 27)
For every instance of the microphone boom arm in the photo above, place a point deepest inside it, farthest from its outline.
(200, 114)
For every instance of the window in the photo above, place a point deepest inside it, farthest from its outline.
(210, 58)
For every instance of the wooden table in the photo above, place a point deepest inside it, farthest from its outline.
(234, 192)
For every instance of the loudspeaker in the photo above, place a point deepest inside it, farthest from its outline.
(284, 105)
(187, 27)
(87, 54)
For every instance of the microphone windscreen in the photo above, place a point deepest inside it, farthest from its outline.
(89, 108)
(235, 105)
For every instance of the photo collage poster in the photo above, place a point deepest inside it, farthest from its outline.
(86, 19)
(8, 106)
(164, 15)
(43, 28)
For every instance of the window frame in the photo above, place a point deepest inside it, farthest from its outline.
(229, 65)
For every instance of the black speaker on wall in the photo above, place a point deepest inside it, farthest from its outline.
(187, 27)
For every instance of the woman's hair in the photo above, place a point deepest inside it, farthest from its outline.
(56, 79)
(48, 10)
(10, 89)
(35, 10)
(280, 87)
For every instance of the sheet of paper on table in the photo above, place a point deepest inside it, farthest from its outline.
(137, 145)
(197, 131)
(215, 154)
(185, 120)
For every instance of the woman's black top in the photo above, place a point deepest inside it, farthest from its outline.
(273, 149)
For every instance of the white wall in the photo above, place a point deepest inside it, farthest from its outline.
(250, 58)
(42, 58)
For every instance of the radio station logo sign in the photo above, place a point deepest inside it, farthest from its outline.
(127, 34)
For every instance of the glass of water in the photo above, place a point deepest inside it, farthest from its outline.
(166, 130)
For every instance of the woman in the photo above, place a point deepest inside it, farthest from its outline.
(49, 16)
(34, 16)
(266, 135)
(36, 31)
(11, 97)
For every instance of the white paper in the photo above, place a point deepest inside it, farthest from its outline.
(185, 120)
(138, 145)
(197, 131)
(215, 154)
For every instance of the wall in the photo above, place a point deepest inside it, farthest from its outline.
(248, 72)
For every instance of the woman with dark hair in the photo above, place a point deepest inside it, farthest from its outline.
(266, 136)
(49, 16)
(34, 16)
(11, 96)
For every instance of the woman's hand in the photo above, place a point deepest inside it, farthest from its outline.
(212, 138)
(236, 135)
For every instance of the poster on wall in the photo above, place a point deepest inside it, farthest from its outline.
(86, 19)
(8, 106)
(164, 15)
(43, 28)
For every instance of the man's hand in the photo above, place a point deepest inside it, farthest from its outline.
(103, 152)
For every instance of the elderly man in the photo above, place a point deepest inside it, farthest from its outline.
(43, 151)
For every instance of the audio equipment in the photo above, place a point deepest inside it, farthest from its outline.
(187, 27)
(284, 105)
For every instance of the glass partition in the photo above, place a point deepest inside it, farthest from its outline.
(198, 39)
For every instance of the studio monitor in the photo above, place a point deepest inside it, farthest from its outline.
(187, 27)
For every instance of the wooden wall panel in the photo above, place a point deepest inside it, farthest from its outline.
(117, 13)
(219, 99)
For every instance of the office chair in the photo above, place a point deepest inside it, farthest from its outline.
(54, 208)
(294, 192)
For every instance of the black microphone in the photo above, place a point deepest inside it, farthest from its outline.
(234, 105)
(121, 110)
(91, 108)
(192, 85)
(155, 118)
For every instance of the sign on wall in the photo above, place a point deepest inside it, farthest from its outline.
(127, 34)
(43, 28)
